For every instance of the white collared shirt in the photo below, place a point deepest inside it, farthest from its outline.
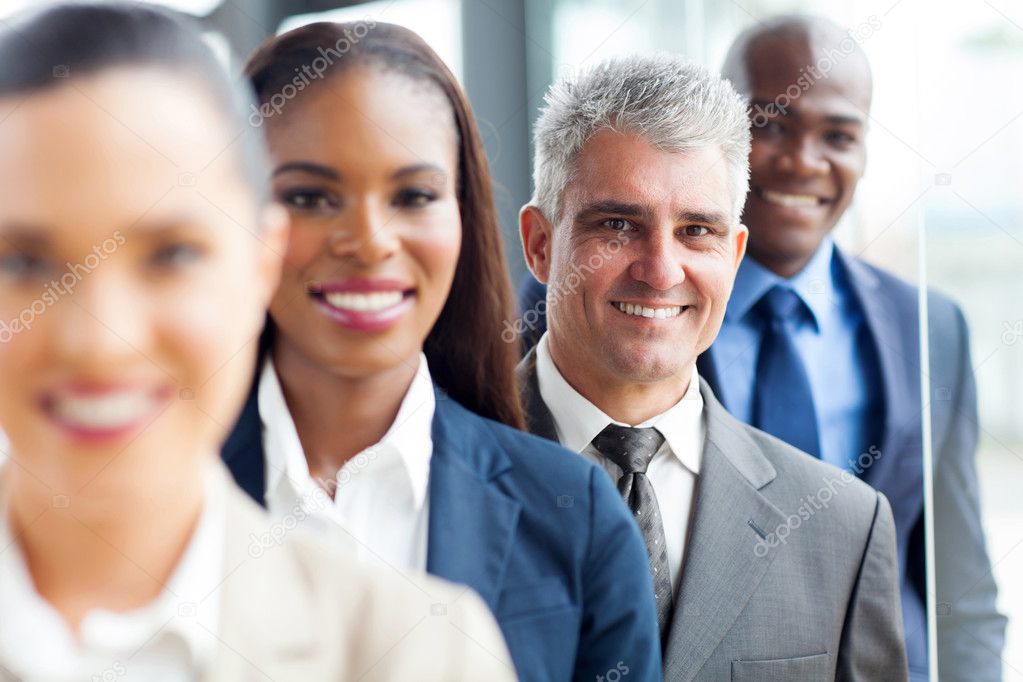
(171, 639)
(674, 469)
(381, 504)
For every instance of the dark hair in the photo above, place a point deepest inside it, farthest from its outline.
(465, 351)
(50, 47)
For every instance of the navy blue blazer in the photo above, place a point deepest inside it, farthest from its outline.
(539, 532)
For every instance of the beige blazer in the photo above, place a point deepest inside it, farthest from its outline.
(290, 610)
(295, 612)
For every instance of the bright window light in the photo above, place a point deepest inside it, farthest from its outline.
(438, 22)
(196, 7)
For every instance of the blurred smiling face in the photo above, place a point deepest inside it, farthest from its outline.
(129, 289)
(655, 234)
(807, 157)
(366, 164)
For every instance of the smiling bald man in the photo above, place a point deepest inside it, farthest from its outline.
(836, 372)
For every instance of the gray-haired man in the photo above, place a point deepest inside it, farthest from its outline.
(767, 563)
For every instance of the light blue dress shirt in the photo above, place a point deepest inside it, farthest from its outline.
(834, 344)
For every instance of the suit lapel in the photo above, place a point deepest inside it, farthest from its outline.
(723, 567)
(243, 450)
(897, 350)
(472, 522)
(539, 419)
(707, 369)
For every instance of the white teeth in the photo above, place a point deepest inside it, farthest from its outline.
(640, 311)
(790, 200)
(105, 412)
(371, 302)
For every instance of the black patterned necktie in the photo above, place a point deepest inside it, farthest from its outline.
(632, 449)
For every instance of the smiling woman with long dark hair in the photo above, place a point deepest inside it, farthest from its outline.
(385, 408)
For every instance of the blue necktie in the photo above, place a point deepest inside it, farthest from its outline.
(782, 399)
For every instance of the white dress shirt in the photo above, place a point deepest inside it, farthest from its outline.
(381, 505)
(171, 639)
(674, 469)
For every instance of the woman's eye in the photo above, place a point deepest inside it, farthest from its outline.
(618, 224)
(414, 198)
(175, 255)
(309, 200)
(18, 265)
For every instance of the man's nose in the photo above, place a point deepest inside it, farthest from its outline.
(659, 261)
(803, 157)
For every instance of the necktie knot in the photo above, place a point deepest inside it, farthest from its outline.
(630, 448)
(780, 304)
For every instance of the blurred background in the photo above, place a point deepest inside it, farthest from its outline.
(939, 205)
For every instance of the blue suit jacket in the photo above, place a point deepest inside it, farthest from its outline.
(970, 631)
(540, 533)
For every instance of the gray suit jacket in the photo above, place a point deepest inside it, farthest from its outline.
(790, 569)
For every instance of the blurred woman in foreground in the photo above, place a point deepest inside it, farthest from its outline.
(137, 254)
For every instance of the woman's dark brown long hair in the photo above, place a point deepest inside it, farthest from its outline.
(467, 356)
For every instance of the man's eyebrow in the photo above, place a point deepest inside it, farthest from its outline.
(629, 210)
(844, 119)
(606, 206)
(705, 217)
(772, 108)
(307, 167)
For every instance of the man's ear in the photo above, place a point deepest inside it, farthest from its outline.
(275, 227)
(741, 238)
(536, 233)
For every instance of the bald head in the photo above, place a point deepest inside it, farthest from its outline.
(804, 51)
(809, 87)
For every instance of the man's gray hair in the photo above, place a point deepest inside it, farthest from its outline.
(674, 104)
